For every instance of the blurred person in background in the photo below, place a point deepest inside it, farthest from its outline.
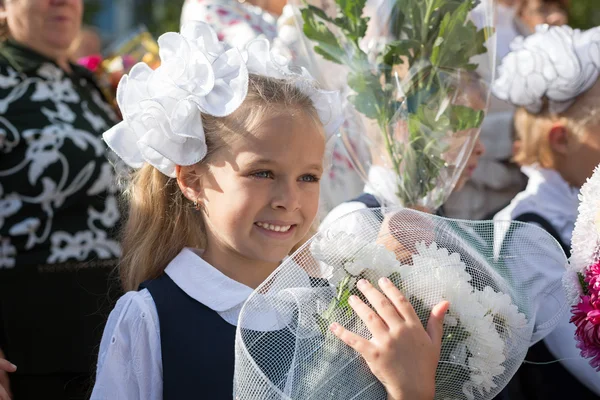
(558, 131)
(539, 12)
(236, 22)
(497, 179)
(88, 43)
(58, 209)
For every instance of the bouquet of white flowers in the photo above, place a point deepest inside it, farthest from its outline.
(284, 349)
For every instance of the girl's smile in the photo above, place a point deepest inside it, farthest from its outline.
(276, 229)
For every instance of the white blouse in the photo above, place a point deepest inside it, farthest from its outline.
(550, 196)
(130, 362)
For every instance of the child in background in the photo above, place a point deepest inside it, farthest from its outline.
(229, 150)
(537, 12)
(552, 76)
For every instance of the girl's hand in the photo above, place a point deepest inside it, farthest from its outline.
(5, 367)
(401, 354)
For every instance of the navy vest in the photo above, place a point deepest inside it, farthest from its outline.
(197, 345)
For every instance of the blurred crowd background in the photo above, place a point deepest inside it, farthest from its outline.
(114, 18)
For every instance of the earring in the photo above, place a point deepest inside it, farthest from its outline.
(197, 205)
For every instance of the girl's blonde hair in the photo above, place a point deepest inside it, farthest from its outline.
(160, 220)
(531, 130)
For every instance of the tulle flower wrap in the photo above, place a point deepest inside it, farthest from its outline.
(478, 266)
(162, 123)
(556, 63)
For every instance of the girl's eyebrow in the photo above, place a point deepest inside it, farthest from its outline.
(269, 162)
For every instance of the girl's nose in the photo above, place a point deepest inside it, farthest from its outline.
(286, 196)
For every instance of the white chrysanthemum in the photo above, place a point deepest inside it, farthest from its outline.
(586, 235)
(431, 265)
(337, 249)
(438, 275)
(500, 305)
(348, 255)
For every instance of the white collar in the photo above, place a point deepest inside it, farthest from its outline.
(383, 184)
(550, 196)
(209, 286)
(206, 284)
(550, 185)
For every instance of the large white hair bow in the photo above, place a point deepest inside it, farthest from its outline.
(161, 108)
(557, 63)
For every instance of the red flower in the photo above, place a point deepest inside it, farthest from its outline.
(586, 316)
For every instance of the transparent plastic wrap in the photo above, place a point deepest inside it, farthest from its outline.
(499, 305)
(418, 72)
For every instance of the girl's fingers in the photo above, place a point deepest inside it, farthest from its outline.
(384, 307)
(5, 365)
(400, 302)
(3, 394)
(373, 321)
(357, 342)
(435, 325)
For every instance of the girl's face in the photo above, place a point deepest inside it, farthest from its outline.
(472, 163)
(536, 12)
(583, 157)
(260, 194)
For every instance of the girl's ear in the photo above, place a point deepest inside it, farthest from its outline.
(558, 138)
(188, 179)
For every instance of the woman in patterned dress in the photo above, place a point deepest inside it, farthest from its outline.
(58, 207)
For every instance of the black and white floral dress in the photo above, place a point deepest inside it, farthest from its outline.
(58, 223)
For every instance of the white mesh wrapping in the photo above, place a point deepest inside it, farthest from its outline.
(499, 304)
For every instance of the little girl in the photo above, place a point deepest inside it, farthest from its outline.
(229, 149)
(552, 76)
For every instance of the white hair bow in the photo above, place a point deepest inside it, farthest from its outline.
(557, 63)
(161, 108)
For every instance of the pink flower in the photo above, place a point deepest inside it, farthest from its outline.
(592, 278)
(90, 62)
(586, 316)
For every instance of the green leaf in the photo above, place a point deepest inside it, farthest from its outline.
(400, 48)
(351, 18)
(463, 118)
(460, 37)
(327, 44)
(368, 97)
(318, 13)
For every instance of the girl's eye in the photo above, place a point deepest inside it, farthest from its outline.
(263, 175)
(309, 178)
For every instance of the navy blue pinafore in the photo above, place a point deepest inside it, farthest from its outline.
(197, 345)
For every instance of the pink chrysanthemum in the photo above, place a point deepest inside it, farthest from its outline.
(592, 278)
(586, 316)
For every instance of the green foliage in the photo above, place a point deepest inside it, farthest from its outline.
(584, 14)
(436, 37)
(160, 17)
